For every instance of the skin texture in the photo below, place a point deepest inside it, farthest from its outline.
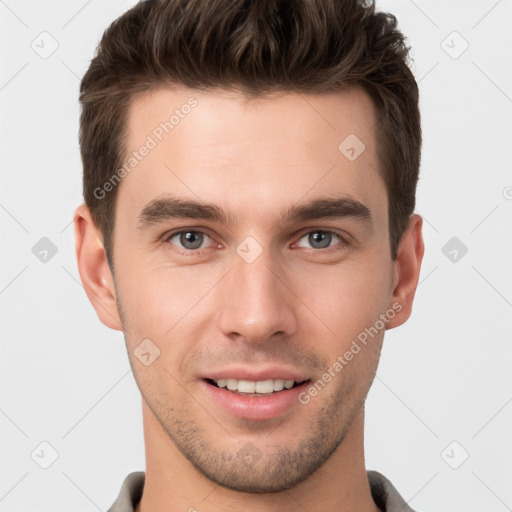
(297, 305)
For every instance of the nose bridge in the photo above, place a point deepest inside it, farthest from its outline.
(257, 303)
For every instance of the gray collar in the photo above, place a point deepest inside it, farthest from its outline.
(384, 493)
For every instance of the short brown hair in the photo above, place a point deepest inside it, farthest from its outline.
(258, 47)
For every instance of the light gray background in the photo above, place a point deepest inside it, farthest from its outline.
(444, 377)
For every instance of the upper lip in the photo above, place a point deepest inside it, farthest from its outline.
(254, 374)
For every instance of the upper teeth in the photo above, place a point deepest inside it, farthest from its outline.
(260, 386)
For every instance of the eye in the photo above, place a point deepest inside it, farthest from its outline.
(188, 239)
(320, 239)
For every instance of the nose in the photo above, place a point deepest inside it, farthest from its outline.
(258, 301)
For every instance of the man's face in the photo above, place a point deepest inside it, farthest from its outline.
(259, 295)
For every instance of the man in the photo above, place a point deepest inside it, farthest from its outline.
(249, 179)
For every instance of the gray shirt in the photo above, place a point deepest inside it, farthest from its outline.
(384, 494)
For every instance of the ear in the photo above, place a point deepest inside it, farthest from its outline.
(407, 271)
(94, 270)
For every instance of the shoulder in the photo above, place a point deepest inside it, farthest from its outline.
(385, 495)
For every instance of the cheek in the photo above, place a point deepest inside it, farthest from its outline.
(347, 298)
(169, 307)
(160, 305)
(160, 296)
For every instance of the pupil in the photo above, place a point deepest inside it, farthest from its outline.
(191, 240)
(320, 237)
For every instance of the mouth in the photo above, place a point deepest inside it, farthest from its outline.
(262, 393)
(260, 388)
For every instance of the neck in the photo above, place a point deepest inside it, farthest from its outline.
(173, 483)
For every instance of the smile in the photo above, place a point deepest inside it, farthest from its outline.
(260, 387)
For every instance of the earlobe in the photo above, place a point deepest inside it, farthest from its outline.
(93, 267)
(407, 271)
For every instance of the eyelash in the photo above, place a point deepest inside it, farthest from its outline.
(189, 252)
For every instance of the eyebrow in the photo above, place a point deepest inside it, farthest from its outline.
(170, 207)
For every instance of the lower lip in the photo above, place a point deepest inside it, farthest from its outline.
(255, 407)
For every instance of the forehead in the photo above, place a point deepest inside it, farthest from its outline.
(220, 146)
(218, 114)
